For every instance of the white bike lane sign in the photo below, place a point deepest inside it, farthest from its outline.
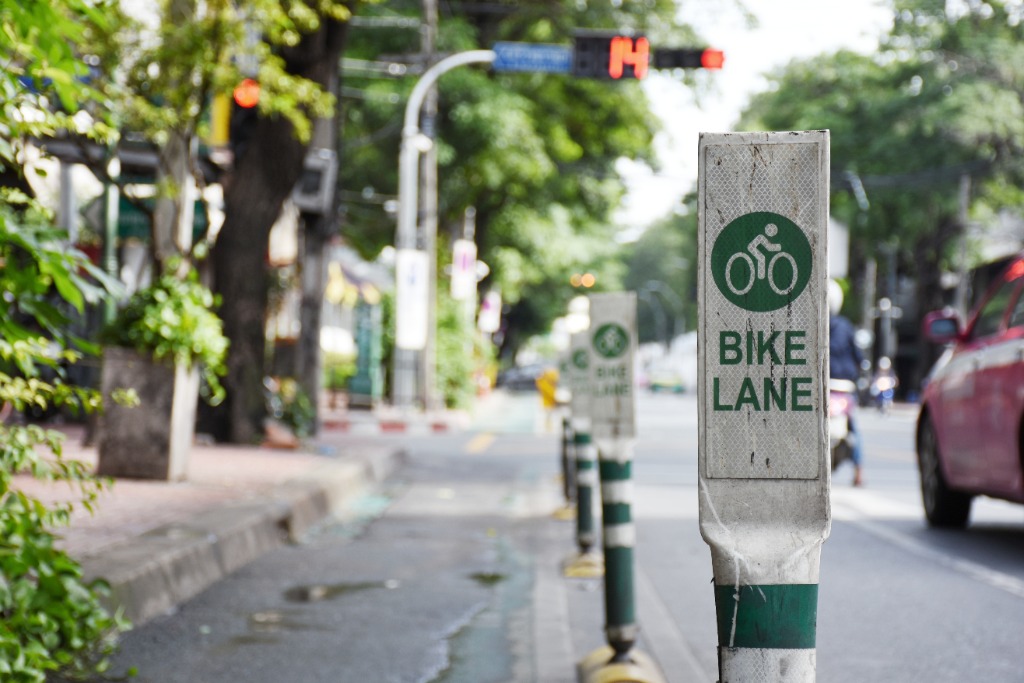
(762, 388)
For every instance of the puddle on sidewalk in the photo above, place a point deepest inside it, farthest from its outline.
(319, 592)
(267, 627)
(488, 578)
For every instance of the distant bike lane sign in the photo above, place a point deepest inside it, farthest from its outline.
(610, 370)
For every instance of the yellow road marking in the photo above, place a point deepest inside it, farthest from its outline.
(480, 443)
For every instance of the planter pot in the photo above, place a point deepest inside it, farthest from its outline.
(153, 439)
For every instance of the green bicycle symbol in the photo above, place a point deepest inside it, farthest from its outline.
(581, 359)
(761, 261)
(611, 340)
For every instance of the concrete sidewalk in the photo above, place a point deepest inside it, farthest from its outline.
(160, 543)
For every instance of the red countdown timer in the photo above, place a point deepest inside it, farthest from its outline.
(610, 55)
(624, 51)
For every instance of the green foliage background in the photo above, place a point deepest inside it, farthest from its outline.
(533, 153)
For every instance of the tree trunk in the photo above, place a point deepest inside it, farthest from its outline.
(308, 371)
(262, 180)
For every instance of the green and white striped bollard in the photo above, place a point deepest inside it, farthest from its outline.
(619, 536)
(586, 483)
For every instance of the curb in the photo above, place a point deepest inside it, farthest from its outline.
(387, 427)
(153, 573)
(396, 422)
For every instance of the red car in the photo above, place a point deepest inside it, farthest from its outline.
(969, 432)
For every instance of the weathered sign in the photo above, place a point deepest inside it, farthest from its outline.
(762, 386)
(612, 349)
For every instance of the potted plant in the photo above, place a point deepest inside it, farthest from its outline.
(166, 346)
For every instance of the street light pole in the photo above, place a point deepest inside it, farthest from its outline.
(410, 323)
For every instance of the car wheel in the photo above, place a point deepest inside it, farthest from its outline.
(943, 507)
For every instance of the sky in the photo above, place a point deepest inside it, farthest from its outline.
(787, 30)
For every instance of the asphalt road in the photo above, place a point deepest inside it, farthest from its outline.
(450, 575)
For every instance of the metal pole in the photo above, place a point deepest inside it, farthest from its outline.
(586, 482)
(427, 366)
(619, 535)
(403, 386)
(961, 287)
(68, 214)
(568, 472)
(111, 205)
(870, 276)
(678, 312)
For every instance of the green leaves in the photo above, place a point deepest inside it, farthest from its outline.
(173, 319)
(52, 619)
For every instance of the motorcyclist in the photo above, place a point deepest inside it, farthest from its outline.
(844, 362)
(884, 384)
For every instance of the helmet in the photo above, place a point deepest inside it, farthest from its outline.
(835, 297)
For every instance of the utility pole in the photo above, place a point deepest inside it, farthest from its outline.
(961, 287)
(319, 223)
(315, 234)
(428, 203)
(408, 259)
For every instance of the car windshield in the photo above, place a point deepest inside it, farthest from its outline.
(990, 318)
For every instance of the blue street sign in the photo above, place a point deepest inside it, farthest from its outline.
(532, 57)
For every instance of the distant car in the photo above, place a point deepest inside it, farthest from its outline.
(521, 377)
(970, 439)
(665, 380)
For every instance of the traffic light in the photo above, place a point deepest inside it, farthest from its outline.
(610, 55)
(244, 114)
(616, 55)
(688, 58)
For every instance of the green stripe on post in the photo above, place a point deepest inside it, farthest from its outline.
(767, 617)
(586, 468)
(616, 471)
(618, 587)
(616, 513)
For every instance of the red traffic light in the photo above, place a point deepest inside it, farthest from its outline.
(712, 59)
(247, 93)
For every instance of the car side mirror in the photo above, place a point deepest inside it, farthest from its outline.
(941, 327)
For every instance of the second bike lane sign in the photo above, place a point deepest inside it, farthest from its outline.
(763, 467)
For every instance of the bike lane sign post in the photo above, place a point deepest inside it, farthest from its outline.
(612, 340)
(763, 389)
(585, 563)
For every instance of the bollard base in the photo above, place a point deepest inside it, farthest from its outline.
(565, 513)
(583, 566)
(597, 667)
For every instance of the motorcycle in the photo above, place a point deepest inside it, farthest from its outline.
(883, 385)
(842, 401)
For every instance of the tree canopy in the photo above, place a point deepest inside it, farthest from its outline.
(942, 100)
(943, 97)
(533, 153)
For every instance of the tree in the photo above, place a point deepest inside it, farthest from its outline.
(533, 153)
(260, 182)
(662, 267)
(944, 98)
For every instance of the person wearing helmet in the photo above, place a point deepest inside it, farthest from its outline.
(844, 362)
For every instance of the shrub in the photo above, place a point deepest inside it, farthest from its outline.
(50, 618)
(174, 319)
